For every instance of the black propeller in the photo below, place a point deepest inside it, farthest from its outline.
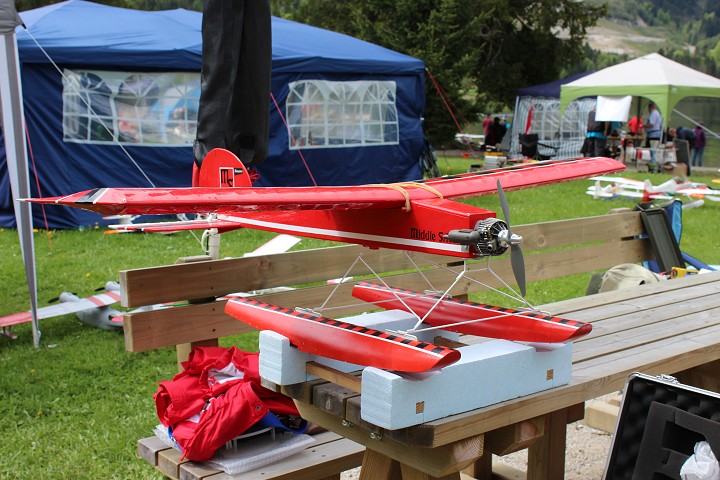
(517, 261)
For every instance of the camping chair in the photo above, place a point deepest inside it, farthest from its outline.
(529, 143)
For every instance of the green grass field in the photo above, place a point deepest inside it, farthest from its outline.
(75, 407)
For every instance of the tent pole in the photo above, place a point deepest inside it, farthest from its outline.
(16, 156)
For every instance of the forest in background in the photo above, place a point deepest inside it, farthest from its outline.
(480, 53)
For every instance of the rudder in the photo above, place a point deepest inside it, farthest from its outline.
(221, 168)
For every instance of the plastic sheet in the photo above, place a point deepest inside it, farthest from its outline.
(702, 465)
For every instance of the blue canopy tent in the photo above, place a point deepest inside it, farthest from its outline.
(354, 108)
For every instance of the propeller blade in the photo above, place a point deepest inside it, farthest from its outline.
(517, 261)
(504, 204)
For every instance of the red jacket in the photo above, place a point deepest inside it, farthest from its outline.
(215, 398)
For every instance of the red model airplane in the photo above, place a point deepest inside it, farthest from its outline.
(416, 216)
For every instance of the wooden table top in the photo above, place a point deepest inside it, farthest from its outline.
(665, 327)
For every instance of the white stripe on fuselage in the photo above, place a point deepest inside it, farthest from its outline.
(345, 236)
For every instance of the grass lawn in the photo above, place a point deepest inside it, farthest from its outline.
(75, 407)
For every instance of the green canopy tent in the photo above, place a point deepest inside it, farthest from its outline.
(653, 76)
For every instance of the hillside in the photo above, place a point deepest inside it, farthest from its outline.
(618, 36)
(638, 27)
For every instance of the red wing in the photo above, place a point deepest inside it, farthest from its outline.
(204, 200)
(137, 201)
(521, 176)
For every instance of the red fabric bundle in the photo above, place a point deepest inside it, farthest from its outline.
(215, 398)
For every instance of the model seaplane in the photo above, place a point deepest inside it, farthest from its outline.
(415, 216)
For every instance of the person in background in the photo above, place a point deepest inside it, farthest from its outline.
(635, 126)
(487, 123)
(596, 138)
(698, 145)
(496, 132)
(683, 133)
(682, 136)
(653, 131)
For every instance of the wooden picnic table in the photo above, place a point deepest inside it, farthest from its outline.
(670, 327)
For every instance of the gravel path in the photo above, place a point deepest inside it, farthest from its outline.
(585, 455)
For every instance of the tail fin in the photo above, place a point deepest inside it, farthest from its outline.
(221, 168)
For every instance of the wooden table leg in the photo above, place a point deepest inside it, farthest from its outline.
(376, 466)
(410, 473)
(482, 468)
(546, 457)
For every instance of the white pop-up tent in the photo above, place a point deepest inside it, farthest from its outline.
(659, 79)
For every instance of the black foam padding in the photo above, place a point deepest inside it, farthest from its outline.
(658, 427)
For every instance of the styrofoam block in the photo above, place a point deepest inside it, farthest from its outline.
(486, 373)
(283, 364)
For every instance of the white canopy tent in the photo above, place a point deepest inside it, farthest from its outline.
(659, 79)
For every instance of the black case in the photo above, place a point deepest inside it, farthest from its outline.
(660, 422)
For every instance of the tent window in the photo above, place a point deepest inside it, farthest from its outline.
(324, 114)
(130, 108)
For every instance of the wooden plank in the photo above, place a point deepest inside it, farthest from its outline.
(148, 286)
(602, 414)
(577, 231)
(648, 298)
(186, 324)
(377, 466)
(506, 472)
(512, 438)
(317, 461)
(161, 328)
(148, 448)
(327, 458)
(411, 473)
(647, 330)
(444, 460)
(616, 296)
(546, 457)
(169, 462)
(345, 380)
(590, 380)
(705, 376)
(332, 398)
(199, 471)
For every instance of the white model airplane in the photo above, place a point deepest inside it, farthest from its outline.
(93, 310)
(613, 187)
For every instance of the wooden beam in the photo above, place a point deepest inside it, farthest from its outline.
(214, 278)
(345, 380)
